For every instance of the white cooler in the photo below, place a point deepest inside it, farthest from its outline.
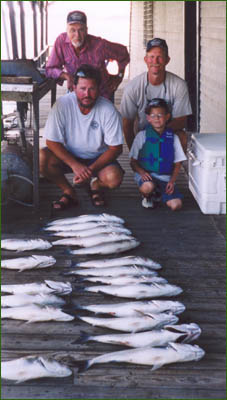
(207, 171)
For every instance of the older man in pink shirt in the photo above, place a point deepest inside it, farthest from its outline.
(76, 47)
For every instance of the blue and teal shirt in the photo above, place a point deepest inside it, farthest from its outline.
(157, 153)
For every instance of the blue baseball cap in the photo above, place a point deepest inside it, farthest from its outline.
(157, 42)
(77, 17)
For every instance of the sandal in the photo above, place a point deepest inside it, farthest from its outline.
(63, 205)
(97, 197)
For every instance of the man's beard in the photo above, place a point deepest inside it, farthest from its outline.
(77, 44)
(90, 105)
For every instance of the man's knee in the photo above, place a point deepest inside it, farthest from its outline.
(174, 204)
(112, 177)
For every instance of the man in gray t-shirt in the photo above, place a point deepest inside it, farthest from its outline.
(84, 136)
(156, 83)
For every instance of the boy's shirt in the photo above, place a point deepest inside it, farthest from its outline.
(138, 143)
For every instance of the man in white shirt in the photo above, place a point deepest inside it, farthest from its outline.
(156, 83)
(84, 136)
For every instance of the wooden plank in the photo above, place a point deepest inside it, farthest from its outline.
(16, 79)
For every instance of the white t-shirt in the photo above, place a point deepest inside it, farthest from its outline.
(139, 92)
(138, 143)
(85, 136)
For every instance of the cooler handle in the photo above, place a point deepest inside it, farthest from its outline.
(193, 157)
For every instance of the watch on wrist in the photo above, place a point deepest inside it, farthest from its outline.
(120, 74)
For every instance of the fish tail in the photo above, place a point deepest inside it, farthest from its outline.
(83, 366)
(83, 338)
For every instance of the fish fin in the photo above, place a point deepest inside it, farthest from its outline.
(83, 366)
(144, 314)
(156, 366)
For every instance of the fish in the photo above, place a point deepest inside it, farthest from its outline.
(136, 291)
(49, 287)
(25, 244)
(108, 248)
(169, 333)
(115, 262)
(33, 367)
(36, 313)
(124, 279)
(133, 324)
(87, 218)
(18, 300)
(113, 271)
(94, 231)
(155, 356)
(131, 308)
(76, 226)
(95, 240)
(23, 263)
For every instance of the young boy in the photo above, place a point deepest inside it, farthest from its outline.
(156, 157)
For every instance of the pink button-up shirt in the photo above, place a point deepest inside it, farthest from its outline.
(96, 52)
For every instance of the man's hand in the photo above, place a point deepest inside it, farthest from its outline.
(114, 82)
(82, 173)
(70, 80)
(169, 187)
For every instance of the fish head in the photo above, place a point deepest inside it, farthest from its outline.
(59, 287)
(189, 331)
(54, 367)
(187, 352)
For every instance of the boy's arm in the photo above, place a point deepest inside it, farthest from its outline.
(173, 178)
(137, 168)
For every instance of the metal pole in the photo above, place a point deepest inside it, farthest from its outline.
(22, 27)
(13, 29)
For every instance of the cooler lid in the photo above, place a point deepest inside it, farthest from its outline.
(214, 143)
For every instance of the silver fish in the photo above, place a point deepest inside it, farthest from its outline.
(60, 288)
(133, 324)
(33, 367)
(184, 333)
(124, 279)
(137, 291)
(155, 356)
(25, 244)
(108, 248)
(113, 271)
(94, 231)
(131, 308)
(35, 313)
(23, 263)
(95, 240)
(18, 300)
(87, 218)
(76, 227)
(114, 262)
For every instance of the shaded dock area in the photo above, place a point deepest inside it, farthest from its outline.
(189, 245)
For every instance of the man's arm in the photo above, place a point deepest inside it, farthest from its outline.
(177, 124)
(107, 157)
(128, 129)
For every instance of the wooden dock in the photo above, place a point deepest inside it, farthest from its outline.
(191, 248)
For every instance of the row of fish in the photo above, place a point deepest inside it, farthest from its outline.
(95, 234)
(34, 367)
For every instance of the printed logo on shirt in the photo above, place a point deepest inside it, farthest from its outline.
(94, 125)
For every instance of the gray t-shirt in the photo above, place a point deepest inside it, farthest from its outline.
(85, 136)
(139, 92)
